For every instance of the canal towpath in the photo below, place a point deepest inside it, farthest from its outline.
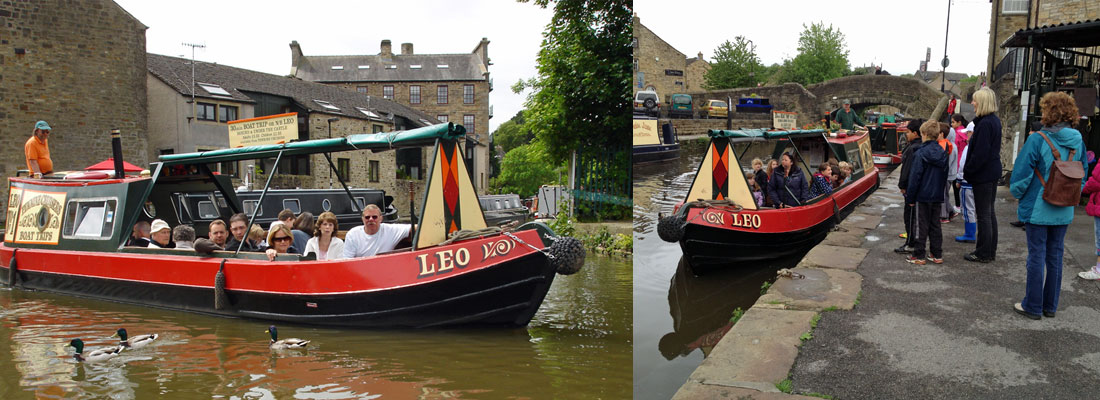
(863, 323)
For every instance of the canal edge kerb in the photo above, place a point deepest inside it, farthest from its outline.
(757, 354)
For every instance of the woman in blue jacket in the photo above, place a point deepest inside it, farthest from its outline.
(788, 185)
(983, 168)
(1045, 223)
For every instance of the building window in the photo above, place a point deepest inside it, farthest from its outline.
(228, 113)
(414, 94)
(229, 168)
(468, 122)
(378, 128)
(441, 94)
(343, 169)
(1014, 7)
(641, 79)
(467, 94)
(387, 92)
(361, 89)
(409, 163)
(372, 172)
(205, 112)
(634, 42)
(443, 118)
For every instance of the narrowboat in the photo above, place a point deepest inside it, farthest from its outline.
(653, 141)
(720, 223)
(887, 143)
(502, 209)
(68, 236)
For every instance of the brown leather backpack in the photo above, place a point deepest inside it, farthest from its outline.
(1064, 186)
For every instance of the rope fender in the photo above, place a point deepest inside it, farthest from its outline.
(671, 228)
(221, 299)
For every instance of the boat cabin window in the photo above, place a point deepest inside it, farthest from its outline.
(184, 210)
(89, 218)
(250, 207)
(292, 205)
(326, 205)
(362, 202)
(207, 210)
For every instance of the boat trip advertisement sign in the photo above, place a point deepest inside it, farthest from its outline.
(13, 211)
(645, 132)
(784, 120)
(39, 219)
(272, 129)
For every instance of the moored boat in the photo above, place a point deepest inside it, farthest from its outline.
(653, 141)
(502, 209)
(720, 223)
(68, 236)
(887, 143)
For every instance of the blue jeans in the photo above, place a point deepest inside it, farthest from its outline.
(1045, 247)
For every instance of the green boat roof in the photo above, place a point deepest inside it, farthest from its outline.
(763, 133)
(377, 141)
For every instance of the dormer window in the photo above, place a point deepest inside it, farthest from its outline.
(214, 89)
(368, 113)
(327, 105)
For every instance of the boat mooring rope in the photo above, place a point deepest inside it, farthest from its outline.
(465, 234)
(671, 228)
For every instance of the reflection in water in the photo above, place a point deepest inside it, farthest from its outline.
(576, 347)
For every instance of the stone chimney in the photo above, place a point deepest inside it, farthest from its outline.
(406, 49)
(482, 52)
(700, 56)
(387, 49)
(296, 58)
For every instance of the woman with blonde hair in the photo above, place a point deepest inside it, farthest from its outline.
(1046, 223)
(982, 170)
(280, 241)
(324, 242)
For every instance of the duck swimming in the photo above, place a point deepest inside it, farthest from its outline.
(291, 343)
(135, 342)
(98, 355)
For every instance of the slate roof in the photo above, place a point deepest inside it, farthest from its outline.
(176, 72)
(459, 67)
(929, 76)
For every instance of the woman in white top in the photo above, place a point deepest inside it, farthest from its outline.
(324, 242)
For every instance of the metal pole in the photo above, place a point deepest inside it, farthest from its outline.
(260, 202)
(943, 77)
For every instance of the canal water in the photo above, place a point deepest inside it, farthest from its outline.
(577, 347)
(679, 317)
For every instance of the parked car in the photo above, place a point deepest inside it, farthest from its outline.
(715, 109)
(647, 102)
(681, 106)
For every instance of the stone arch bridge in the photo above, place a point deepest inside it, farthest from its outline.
(912, 96)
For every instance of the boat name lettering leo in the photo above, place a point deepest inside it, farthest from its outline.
(443, 261)
(746, 221)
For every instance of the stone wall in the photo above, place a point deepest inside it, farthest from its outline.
(1001, 27)
(790, 97)
(652, 57)
(686, 127)
(1054, 12)
(79, 65)
(1008, 110)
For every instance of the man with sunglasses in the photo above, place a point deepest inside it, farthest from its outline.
(374, 237)
(37, 151)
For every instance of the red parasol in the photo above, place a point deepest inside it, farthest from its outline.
(109, 165)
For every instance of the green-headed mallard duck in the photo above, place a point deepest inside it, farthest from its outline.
(291, 343)
(135, 342)
(98, 355)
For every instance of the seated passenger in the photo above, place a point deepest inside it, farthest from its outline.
(259, 235)
(757, 196)
(238, 226)
(845, 172)
(324, 242)
(161, 235)
(302, 228)
(374, 237)
(281, 239)
(822, 183)
(787, 188)
(140, 236)
(184, 236)
(218, 232)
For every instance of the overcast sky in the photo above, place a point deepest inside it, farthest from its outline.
(256, 35)
(894, 33)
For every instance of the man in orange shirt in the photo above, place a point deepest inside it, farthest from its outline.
(38, 151)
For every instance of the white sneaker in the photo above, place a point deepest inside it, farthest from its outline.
(1089, 275)
(958, 210)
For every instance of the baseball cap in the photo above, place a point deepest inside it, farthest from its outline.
(42, 125)
(846, 101)
(158, 224)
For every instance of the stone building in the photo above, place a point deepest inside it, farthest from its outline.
(1009, 16)
(448, 87)
(79, 65)
(223, 93)
(659, 66)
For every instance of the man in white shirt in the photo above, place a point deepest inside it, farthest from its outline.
(374, 237)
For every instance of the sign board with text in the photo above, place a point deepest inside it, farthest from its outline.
(784, 120)
(645, 132)
(271, 129)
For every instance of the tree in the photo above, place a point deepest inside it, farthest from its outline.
(822, 55)
(525, 168)
(512, 134)
(581, 98)
(735, 65)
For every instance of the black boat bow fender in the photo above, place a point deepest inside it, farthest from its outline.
(567, 255)
(671, 228)
(221, 299)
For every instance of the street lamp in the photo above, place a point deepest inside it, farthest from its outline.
(943, 76)
(330, 121)
(752, 58)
